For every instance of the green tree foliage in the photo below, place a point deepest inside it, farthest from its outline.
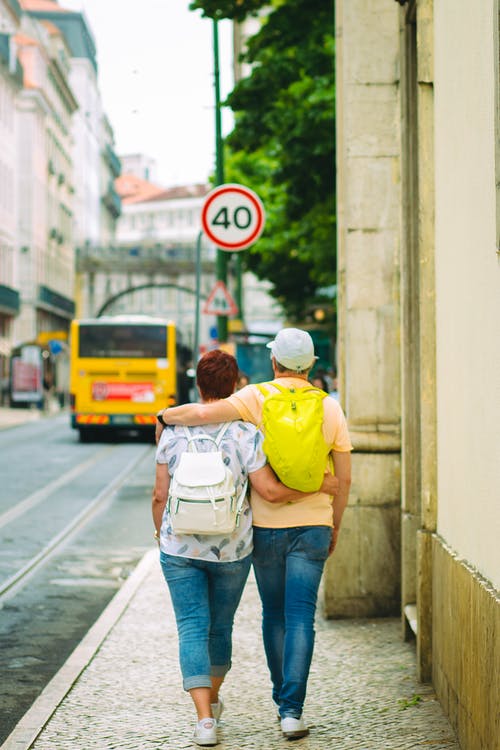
(283, 144)
(238, 10)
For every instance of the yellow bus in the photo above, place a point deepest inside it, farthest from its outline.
(123, 369)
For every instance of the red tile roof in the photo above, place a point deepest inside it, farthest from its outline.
(43, 5)
(23, 40)
(52, 28)
(132, 189)
(183, 191)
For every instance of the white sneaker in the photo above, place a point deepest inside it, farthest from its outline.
(217, 708)
(293, 729)
(205, 732)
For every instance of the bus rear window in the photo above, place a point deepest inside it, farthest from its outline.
(137, 341)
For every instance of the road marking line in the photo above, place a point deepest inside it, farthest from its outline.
(18, 579)
(40, 495)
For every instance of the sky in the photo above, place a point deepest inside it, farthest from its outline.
(155, 61)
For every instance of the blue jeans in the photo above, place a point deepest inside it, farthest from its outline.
(205, 596)
(288, 565)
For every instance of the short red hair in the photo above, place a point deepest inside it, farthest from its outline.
(217, 374)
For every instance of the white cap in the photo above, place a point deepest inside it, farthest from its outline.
(293, 348)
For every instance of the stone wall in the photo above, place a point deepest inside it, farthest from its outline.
(363, 577)
(466, 649)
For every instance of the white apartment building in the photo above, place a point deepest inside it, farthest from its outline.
(57, 172)
(45, 276)
(110, 168)
(95, 164)
(10, 85)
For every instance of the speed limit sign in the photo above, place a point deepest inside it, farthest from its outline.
(233, 217)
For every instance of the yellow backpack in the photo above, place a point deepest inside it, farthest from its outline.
(292, 420)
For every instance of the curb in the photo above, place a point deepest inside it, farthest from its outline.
(9, 418)
(12, 417)
(34, 720)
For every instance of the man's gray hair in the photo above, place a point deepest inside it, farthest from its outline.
(282, 368)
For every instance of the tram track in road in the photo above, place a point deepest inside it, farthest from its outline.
(74, 522)
(36, 497)
(17, 580)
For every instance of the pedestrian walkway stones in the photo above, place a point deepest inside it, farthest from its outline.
(363, 693)
(13, 417)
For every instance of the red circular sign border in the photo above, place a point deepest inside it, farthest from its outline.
(233, 188)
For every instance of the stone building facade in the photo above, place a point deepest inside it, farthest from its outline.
(419, 272)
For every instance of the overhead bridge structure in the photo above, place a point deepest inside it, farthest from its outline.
(153, 279)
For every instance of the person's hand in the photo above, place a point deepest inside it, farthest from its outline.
(158, 430)
(334, 539)
(330, 484)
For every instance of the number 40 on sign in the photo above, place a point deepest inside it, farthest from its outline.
(233, 217)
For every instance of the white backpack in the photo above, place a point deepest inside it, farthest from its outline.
(202, 493)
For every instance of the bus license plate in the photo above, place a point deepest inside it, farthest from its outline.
(121, 419)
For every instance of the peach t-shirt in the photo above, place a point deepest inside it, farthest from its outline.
(314, 509)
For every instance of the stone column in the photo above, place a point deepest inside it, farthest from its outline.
(427, 297)
(363, 576)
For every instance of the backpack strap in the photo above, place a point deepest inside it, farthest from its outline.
(240, 501)
(270, 389)
(285, 389)
(221, 433)
(191, 446)
(280, 388)
(191, 441)
(243, 493)
(260, 387)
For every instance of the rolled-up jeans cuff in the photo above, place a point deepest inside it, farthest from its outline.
(197, 681)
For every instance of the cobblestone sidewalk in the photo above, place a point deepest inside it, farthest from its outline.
(363, 693)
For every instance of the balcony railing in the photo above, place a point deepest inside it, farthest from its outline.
(113, 161)
(112, 201)
(10, 301)
(157, 258)
(13, 65)
(51, 300)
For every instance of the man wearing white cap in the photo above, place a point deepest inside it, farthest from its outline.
(292, 541)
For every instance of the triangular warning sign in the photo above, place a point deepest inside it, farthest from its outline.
(220, 302)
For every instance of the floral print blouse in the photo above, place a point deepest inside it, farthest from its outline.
(242, 451)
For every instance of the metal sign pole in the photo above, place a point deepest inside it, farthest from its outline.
(222, 257)
(196, 352)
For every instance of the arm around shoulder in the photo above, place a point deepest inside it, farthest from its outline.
(196, 414)
(270, 488)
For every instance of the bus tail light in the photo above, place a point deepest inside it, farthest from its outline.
(92, 419)
(145, 419)
(171, 400)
